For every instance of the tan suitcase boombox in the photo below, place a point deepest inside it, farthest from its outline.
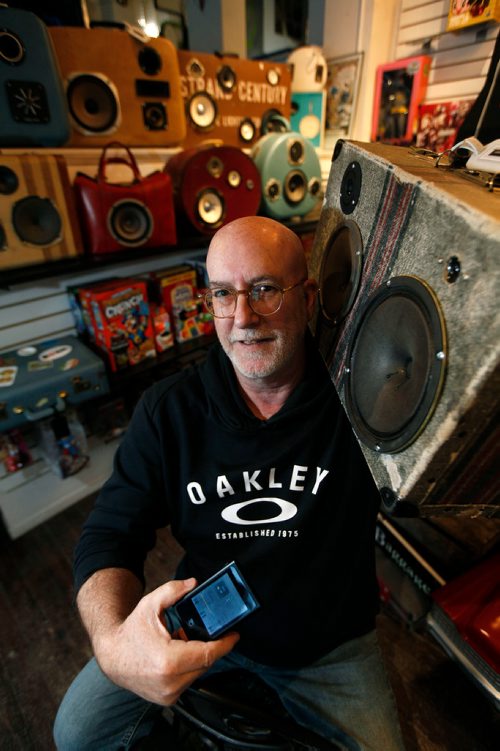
(119, 87)
(230, 99)
(38, 221)
(406, 256)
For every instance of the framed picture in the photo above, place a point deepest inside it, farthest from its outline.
(439, 122)
(341, 96)
(464, 13)
(399, 90)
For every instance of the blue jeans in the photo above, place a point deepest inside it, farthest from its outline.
(344, 696)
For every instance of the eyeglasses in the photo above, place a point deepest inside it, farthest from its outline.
(263, 298)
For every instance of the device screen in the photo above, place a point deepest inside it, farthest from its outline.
(217, 604)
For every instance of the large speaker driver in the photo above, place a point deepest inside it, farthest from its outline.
(396, 364)
(202, 111)
(406, 257)
(36, 221)
(130, 222)
(93, 103)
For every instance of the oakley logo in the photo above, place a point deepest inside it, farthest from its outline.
(287, 511)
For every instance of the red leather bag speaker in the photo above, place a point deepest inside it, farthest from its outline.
(121, 216)
(214, 185)
(406, 256)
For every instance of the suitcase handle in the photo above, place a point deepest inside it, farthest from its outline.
(129, 162)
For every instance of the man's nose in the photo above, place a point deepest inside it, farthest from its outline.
(244, 315)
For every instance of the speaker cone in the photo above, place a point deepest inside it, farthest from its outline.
(154, 115)
(396, 364)
(93, 103)
(272, 189)
(295, 187)
(130, 222)
(215, 166)
(340, 272)
(36, 221)
(11, 48)
(226, 78)
(9, 182)
(210, 207)
(247, 130)
(296, 151)
(202, 110)
(149, 61)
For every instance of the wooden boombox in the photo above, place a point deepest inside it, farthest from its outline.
(119, 87)
(406, 256)
(231, 99)
(38, 220)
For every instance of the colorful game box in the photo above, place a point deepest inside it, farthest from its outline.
(121, 321)
(179, 292)
(439, 123)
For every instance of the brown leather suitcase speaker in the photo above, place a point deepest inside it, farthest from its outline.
(38, 221)
(212, 186)
(118, 87)
(406, 255)
(231, 99)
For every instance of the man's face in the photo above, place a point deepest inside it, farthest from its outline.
(261, 347)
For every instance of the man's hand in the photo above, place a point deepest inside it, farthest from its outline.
(138, 653)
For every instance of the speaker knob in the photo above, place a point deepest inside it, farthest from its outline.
(11, 48)
(130, 222)
(37, 221)
(202, 110)
(210, 207)
(93, 103)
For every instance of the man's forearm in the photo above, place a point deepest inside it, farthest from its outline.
(105, 600)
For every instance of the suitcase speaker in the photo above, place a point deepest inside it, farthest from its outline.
(125, 216)
(119, 86)
(309, 68)
(290, 174)
(214, 185)
(38, 221)
(228, 99)
(32, 100)
(406, 256)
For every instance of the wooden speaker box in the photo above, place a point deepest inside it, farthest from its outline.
(120, 88)
(38, 221)
(230, 99)
(406, 256)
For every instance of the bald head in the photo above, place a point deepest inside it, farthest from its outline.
(257, 240)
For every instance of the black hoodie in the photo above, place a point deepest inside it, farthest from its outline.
(290, 499)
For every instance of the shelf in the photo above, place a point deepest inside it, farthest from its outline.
(35, 494)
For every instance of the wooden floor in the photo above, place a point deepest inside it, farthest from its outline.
(43, 646)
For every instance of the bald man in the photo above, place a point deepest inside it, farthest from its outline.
(249, 457)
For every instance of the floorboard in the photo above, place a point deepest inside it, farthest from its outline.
(43, 645)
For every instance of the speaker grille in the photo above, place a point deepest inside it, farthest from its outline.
(93, 103)
(36, 221)
(396, 364)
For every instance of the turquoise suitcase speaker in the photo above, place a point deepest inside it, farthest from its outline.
(290, 174)
(32, 101)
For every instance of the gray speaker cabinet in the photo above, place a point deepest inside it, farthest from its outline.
(407, 258)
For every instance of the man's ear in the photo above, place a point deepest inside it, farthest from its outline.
(311, 290)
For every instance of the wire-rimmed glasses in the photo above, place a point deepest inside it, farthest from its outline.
(264, 298)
